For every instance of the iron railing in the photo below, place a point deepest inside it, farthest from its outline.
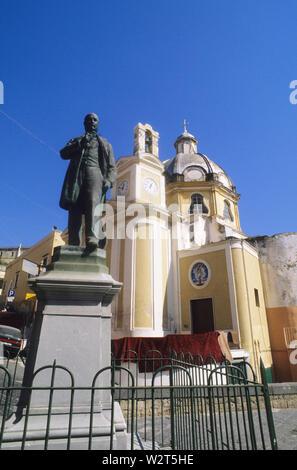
(179, 403)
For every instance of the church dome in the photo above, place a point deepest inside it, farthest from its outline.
(189, 165)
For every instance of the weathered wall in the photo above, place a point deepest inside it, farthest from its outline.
(278, 261)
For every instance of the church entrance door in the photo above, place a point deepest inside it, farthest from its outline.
(202, 316)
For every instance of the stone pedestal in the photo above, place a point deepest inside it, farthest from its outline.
(73, 329)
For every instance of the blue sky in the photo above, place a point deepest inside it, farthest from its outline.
(223, 65)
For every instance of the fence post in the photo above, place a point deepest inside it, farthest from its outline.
(172, 424)
(269, 415)
(6, 392)
(112, 403)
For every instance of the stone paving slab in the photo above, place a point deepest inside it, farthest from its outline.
(285, 423)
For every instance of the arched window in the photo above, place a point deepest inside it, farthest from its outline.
(227, 211)
(197, 205)
(148, 142)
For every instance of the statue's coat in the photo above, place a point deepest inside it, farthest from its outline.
(72, 182)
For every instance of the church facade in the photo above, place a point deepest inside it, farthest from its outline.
(178, 248)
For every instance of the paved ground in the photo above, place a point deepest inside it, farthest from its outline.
(285, 423)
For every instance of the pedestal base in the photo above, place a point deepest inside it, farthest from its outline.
(80, 436)
(71, 331)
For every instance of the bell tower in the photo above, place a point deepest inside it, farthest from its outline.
(140, 251)
(146, 140)
(140, 176)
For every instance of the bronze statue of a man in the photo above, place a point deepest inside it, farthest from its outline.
(90, 174)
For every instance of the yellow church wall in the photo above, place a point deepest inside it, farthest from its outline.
(120, 277)
(219, 203)
(172, 198)
(217, 289)
(143, 282)
(141, 263)
(164, 281)
(213, 202)
(120, 299)
(253, 328)
(242, 300)
(180, 193)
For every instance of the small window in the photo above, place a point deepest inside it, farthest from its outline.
(197, 205)
(17, 275)
(227, 211)
(257, 297)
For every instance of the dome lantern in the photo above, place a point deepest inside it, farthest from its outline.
(186, 143)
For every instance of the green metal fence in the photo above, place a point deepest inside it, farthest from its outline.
(179, 403)
(196, 404)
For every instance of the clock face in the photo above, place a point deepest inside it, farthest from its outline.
(150, 186)
(123, 188)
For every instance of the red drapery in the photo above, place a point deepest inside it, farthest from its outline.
(142, 347)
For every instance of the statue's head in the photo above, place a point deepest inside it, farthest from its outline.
(91, 122)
